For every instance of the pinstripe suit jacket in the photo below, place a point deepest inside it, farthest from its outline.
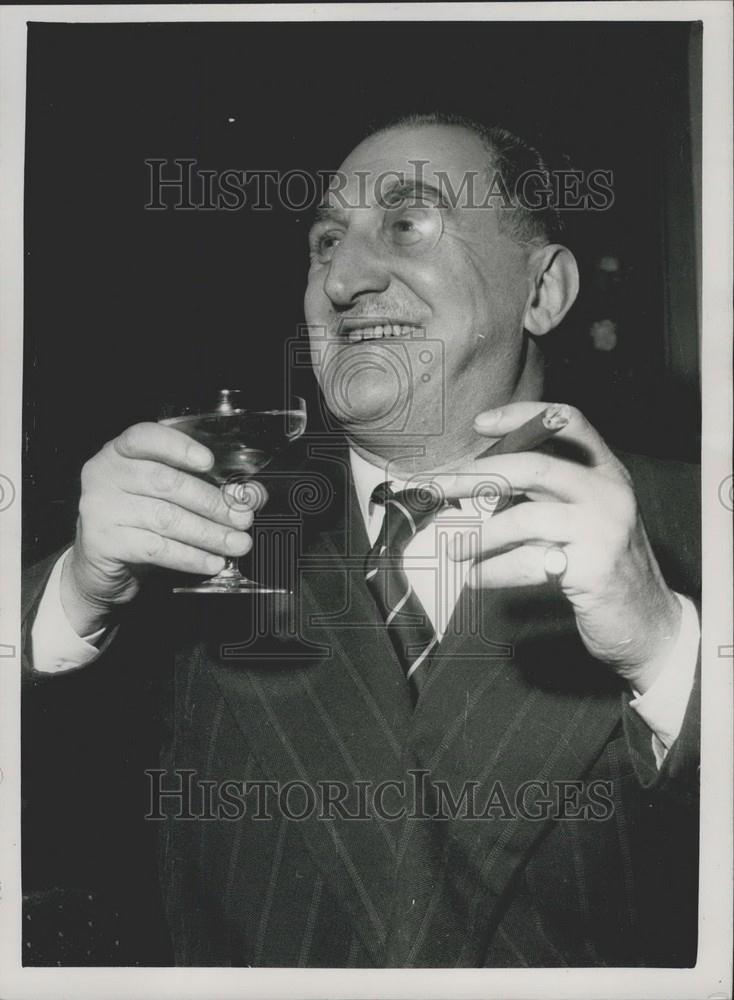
(512, 697)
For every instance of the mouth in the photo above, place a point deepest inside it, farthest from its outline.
(377, 328)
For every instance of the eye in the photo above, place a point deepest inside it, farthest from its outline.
(405, 225)
(323, 243)
(418, 228)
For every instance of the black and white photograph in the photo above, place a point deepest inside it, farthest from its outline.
(371, 612)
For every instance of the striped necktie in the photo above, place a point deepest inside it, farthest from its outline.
(408, 625)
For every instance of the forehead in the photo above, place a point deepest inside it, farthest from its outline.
(436, 155)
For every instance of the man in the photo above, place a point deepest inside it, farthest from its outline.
(557, 684)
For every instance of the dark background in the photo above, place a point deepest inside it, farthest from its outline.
(123, 304)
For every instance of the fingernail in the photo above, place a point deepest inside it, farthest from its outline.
(241, 518)
(236, 542)
(489, 418)
(199, 456)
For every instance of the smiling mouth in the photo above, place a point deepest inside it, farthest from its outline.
(376, 328)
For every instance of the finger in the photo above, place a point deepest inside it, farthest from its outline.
(247, 495)
(589, 446)
(163, 444)
(178, 524)
(138, 546)
(533, 473)
(523, 567)
(153, 479)
(528, 522)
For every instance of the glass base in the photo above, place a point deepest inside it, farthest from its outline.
(246, 587)
(229, 582)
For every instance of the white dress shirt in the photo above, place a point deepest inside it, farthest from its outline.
(437, 582)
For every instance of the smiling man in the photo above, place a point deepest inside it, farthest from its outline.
(462, 274)
(507, 736)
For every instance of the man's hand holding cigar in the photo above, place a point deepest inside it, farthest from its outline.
(582, 530)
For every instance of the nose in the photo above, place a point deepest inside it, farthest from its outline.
(355, 269)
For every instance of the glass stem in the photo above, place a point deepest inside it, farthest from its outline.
(231, 567)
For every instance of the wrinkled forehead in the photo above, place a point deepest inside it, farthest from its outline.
(426, 159)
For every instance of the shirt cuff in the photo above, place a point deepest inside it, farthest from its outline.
(55, 646)
(663, 706)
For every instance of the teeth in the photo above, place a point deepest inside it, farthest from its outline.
(381, 331)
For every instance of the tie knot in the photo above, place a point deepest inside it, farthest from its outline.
(382, 493)
(406, 511)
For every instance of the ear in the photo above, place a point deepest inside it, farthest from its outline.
(555, 287)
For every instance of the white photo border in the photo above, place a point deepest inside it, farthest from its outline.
(711, 978)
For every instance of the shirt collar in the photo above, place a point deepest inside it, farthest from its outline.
(366, 476)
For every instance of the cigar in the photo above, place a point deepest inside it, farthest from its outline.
(533, 432)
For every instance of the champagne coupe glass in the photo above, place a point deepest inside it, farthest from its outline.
(243, 441)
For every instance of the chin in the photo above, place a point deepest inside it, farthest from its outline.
(361, 419)
(364, 404)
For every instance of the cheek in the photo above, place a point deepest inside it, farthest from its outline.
(458, 282)
(462, 305)
(314, 298)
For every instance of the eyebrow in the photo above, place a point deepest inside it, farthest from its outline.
(326, 211)
(418, 190)
(398, 191)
